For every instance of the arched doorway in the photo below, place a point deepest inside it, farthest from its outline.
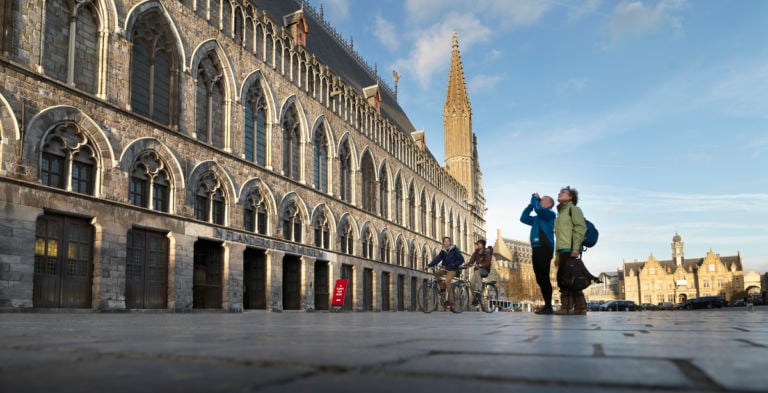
(682, 297)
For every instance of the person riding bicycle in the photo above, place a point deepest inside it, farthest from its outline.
(481, 260)
(451, 259)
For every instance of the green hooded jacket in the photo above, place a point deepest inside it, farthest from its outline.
(570, 227)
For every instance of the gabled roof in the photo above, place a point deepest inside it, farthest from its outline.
(332, 51)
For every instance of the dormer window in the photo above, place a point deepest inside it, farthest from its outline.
(373, 97)
(297, 27)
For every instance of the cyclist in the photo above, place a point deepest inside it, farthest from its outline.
(451, 259)
(481, 259)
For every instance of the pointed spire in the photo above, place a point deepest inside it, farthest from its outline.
(456, 98)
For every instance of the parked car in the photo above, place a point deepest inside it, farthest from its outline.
(619, 305)
(738, 303)
(649, 307)
(703, 302)
(665, 306)
(593, 306)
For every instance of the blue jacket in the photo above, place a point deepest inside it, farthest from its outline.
(544, 220)
(452, 258)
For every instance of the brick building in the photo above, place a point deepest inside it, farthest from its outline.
(215, 154)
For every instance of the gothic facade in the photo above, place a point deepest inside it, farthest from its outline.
(221, 154)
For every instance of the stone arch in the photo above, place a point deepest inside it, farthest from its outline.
(384, 170)
(369, 226)
(140, 9)
(203, 168)
(41, 123)
(304, 126)
(140, 146)
(9, 129)
(269, 94)
(322, 208)
(368, 150)
(258, 184)
(355, 227)
(212, 45)
(352, 149)
(300, 204)
(332, 144)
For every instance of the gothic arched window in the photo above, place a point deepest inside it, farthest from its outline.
(72, 43)
(398, 201)
(255, 125)
(384, 193)
(322, 231)
(291, 144)
(320, 159)
(400, 253)
(68, 160)
(411, 208)
(345, 172)
(346, 238)
(149, 185)
(384, 249)
(423, 212)
(255, 217)
(154, 70)
(210, 204)
(367, 243)
(210, 101)
(433, 218)
(369, 184)
(292, 223)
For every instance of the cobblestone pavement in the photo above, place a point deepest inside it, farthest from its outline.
(682, 351)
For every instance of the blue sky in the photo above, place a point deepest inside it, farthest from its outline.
(656, 111)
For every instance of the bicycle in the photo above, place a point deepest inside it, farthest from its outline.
(429, 296)
(487, 297)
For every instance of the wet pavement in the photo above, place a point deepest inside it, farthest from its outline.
(257, 351)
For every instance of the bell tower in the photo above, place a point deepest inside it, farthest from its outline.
(457, 123)
(677, 249)
(461, 158)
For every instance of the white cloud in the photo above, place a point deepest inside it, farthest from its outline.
(430, 9)
(385, 32)
(483, 82)
(336, 10)
(516, 13)
(633, 19)
(432, 49)
(577, 12)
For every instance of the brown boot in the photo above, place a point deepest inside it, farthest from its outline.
(579, 304)
(566, 300)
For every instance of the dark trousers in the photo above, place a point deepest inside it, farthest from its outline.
(542, 259)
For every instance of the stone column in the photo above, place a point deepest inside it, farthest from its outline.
(274, 264)
(181, 264)
(308, 279)
(233, 276)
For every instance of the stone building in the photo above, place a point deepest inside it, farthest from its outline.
(215, 154)
(606, 290)
(676, 280)
(513, 270)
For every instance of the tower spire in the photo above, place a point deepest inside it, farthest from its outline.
(457, 98)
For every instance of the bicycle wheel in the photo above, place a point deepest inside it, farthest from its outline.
(490, 298)
(427, 297)
(460, 298)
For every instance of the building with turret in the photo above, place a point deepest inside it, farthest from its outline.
(678, 279)
(226, 154)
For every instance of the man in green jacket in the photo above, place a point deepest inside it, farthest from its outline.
(570, 228)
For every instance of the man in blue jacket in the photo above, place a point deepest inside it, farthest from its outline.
(542, 242)
(452, 261)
